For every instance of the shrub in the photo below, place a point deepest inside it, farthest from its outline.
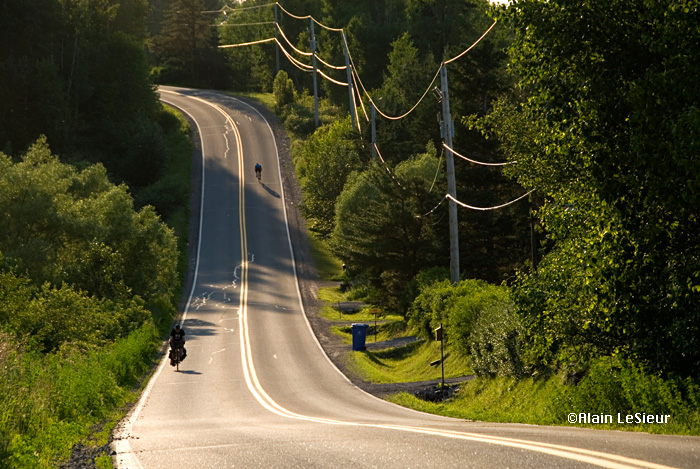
(283, 90)
(614, 385)
(479, 319)
(496, 343)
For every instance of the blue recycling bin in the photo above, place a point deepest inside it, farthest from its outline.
(359, 335)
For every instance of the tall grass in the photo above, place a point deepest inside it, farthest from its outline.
(49, 402)
(610, 388)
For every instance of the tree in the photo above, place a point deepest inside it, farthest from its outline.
(407, 77)
(605, 131)
(186, 39)
(329, 156)
(62, 225)
(283, 91)
(384, 226)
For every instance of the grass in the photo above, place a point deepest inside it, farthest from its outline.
(408, 363)
(268, 99)
(498, 400)
(538, 402)
(328, 266)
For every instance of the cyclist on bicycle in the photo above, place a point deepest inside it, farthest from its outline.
(258, 170)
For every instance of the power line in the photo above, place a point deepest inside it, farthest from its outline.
(431, 82)
(247, 43)
(225, 9)
(462, 204)
(235, 25)
(311, 17)
(472, 46)
(475, 161)
(300, 52)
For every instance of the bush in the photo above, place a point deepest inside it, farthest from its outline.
(478, 318)
(283, 90)
(496, 343)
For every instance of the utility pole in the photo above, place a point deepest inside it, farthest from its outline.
(448, 130)
(374, 133)
(313, 61)
(277, 46)
(351, 89)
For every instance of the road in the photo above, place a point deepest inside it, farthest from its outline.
(256, 389)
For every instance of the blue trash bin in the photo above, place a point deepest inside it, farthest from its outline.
(359, 334)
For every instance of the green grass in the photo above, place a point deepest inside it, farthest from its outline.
(328, 266)
(268, 99)
(538, 402)
(499, 400)
(408, 363)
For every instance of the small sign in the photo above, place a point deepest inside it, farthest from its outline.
(438, 334)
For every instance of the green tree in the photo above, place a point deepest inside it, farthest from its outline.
(407, 77)
(283, 91)
(384, 226)
(605, 131)
(329, 156)
(62, 225)
(187, 42)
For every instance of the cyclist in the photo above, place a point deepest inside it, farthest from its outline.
(258, 170)
(177, 340)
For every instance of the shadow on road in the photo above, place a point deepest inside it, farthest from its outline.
(273, 193)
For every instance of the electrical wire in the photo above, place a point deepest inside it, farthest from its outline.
(226, 46)
(226, 25)
(311, 17)
(298, 64)
(359, 95)
(341, 83)
(433, 209)
(488, 208)
(472, 46)
(444, 145)
(307, 54)
(335, 67)
(429, 86)
(227, 8)
(291, 15)
(386, 166)
(437, 171)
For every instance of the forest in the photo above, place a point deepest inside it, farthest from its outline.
(589, 107)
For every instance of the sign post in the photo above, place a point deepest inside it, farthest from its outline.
(438, 336)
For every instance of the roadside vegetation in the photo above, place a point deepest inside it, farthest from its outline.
(80, 323)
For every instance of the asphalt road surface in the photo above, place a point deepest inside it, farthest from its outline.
(256, 389)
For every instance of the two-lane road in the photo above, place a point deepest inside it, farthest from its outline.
(257, 390)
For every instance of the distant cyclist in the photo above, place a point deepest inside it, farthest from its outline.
(258, 170)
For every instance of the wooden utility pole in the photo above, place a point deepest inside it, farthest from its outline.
(313, 62)
(448, 130)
